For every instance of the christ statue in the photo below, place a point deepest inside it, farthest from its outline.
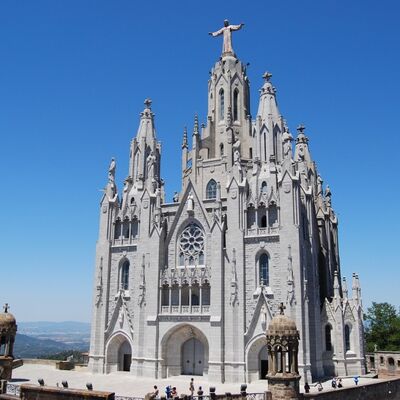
(227, 32)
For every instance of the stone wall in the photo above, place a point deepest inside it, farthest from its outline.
(375, 391)
(33, 392)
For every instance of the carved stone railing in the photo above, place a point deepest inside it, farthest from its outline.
(13, 389)
(262, 231)
(185, 309)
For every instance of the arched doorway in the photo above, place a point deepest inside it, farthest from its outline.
(257, 359)
(184, 350)
(119, 354)
(263, 360)
(192, 357)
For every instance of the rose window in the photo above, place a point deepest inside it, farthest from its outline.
(191, 246)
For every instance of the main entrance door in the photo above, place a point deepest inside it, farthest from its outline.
(192, 357)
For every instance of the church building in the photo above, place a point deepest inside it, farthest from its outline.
(190, 287)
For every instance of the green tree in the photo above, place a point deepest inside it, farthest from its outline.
(382, 327)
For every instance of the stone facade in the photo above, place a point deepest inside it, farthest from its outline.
(384, 362)
(190, 287)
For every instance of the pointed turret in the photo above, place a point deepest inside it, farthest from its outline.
(336, 288)
(145, 152)
(269, 124)
(302, 152)
(356, 289)
(345, 289)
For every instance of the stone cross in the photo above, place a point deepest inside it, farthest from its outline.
(282, 309)
(6, 307)
(147, 103)
(301, 128)
(267, 76)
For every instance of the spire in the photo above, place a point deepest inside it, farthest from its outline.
(302, 152)
(146, 127)
(336, 289)
(345, 290)
(356, 289)
(268, 104)
(185, 139)
(195, 137)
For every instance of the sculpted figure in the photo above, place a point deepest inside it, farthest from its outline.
(236, 152)
(190, 203)
(151, 160)
(175, 199)
(227, 32)
(111, 170)
(287, 144)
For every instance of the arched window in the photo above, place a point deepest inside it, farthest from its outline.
(211, 190)
(117, 232)
(264, 187)
(328, 338)
(235, 105)
(125, 228)
(272, 215)
(221, 149)
(347, 337)
(205, 294)
(134, 227)
(125, 275)
(221, 105)
(263, 270)
(195, 300)
(165, 295)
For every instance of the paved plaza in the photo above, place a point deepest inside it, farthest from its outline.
(125, 384)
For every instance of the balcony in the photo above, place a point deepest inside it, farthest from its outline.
(187, 310)
(271, 230)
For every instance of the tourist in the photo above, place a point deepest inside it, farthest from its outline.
(200, 393)
(168, 391)
(174, 393)
(155, 392)
(356, 380)
(333, 383)
(340, 385)
(319, 387)
(191, 387)
(307, 387)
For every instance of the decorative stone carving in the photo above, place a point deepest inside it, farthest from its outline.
(190, 203)
(99, 286)
(234, 284)
(142, 285)
(291, 297)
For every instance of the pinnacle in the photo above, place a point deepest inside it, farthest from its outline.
(267, 76)
(147, 103)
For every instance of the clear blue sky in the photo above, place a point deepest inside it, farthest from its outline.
(73, 77)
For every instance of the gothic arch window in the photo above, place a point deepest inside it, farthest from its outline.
(263, 269)
(205, 294)
(117, 231)
(125, 228)
(211, 189)
(347, 331)
(272, 215)
(124, 282)
(165, 295)
(134, 227)
(263, 223)
(235, 104)
(221, 105)
(191, 245)
(328, 338)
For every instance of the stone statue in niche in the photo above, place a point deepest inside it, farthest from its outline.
(190, 203)
(287, 144)
(264, 317)
(151, 161)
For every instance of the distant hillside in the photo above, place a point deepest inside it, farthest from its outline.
(47, 327)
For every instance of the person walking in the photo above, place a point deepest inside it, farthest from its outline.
(191, 387)
(307, 387)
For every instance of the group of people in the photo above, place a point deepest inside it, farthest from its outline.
(172, 393)
(336, 383)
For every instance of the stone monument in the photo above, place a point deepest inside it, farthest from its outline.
(282, 345)
(8, 331)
